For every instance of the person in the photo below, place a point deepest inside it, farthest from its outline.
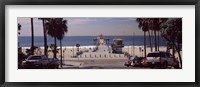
(136, 56)
(129, 57)
(142, 52)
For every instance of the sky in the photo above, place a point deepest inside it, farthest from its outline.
(86, 26)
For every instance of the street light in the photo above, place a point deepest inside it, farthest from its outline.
(133, 43)
(73, 51)
(77, 45)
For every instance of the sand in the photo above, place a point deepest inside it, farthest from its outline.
(99, 59)
(87, 52)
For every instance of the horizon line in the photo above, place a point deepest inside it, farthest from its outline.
(88, 35)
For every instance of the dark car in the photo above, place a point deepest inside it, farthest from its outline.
(34, 61)
(54, 63)
(128, 63)
(137, 61)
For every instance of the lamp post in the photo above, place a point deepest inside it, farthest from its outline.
(77, 45)
(73, 51)
(63, 53)
(128, 48)
(133, 43)
(140, 50)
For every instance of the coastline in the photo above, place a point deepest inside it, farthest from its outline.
(101, 58)
(69, 52)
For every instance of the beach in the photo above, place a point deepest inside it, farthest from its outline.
(69, 52)
(102, 54)
(96, 59)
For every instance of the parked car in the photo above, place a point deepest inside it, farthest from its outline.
(138, 61)
(34, 61)
(161, 60)
(128, 63)
(54, 63)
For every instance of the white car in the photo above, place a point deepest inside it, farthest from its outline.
(34, 61)
(161, 60)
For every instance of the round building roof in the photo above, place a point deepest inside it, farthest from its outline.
(118, 39)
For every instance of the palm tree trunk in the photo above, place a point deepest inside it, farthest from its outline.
(61, 52)
(168, 48)
(150, 40)
(158, 40)
(180, 58)
(155, 40)
(32, 37)
(173, 50)
(45, 37)
(55, 48)
(179, 54)
(145, 44)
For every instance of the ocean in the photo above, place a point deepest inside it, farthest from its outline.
(25, 41)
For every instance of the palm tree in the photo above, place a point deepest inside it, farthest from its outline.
(32, 37)
(156, 27)
(156, 24)
(143, 24)
(161, 22)
(62, 30)
(172, 32)
(19, 28)
(45, 35)
(149, 29)
(51, 27)
(54, 27)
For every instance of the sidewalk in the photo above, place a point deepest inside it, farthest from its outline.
(70, 64)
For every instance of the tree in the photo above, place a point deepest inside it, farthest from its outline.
(156, 27)
(51, 27)
(19, 28)
(54, 27)
(143, 24)
(172, 32)
(150, 28)
(45, 35)
(62, 30)
(32, 37)
(161, 22)
(21, 56)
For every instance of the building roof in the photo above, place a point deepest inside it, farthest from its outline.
(118, 39)
(101, 36)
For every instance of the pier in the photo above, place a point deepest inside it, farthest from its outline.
(102, 50)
